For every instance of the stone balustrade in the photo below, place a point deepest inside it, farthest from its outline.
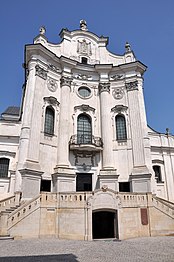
(164, 206)
(60, 200)
(7, 203)
(133, 199)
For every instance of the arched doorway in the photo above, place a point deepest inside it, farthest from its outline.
(104, 224)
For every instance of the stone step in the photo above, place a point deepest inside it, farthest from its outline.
(7, 237)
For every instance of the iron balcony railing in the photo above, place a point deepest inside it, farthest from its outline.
(86, 140)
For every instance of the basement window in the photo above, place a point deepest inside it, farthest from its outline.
(84, 60)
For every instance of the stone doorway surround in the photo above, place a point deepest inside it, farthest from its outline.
(104, 224)
(102, 200)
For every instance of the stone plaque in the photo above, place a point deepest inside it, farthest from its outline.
(144, 216)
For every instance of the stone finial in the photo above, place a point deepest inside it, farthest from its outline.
(83, 25)
(42, 30)
(167, 131)
(128, 47)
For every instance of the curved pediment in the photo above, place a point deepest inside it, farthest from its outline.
(104, 198)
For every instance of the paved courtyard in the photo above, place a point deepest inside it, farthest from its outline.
(140, 249)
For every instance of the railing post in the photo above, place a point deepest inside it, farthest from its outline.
(3, 223)
(18, 195)
(149, 199)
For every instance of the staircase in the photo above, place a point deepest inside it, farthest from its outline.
(7, 206)
(26, 218)
(164, 206)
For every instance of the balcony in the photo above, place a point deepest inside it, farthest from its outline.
(85, 143)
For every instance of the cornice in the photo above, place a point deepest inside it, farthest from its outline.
(133, 66)
(162, 148)
(39, 49)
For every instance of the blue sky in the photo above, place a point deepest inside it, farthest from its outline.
(147, 25)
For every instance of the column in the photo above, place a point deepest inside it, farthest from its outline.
(104, 90)
(64, 176)
(26, 122)
(108, 175)
(140, 177)
(63, 136)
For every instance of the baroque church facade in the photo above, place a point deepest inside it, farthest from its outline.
(77, 159)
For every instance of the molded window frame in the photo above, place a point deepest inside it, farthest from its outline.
(158, 173)
(4, 167)
(121, 131)
(86, 135)
(49, 124)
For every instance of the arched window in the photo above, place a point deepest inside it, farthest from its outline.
(4, 165)
(49, 121)
(121, 127)
(84, 129)
(157, 170)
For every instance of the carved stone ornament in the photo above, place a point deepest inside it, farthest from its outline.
(51, 100)
(54, 68)
(118, 92)
(117, 77)
(83, 77)
(41, 72)
(104, 87)
(104, 188)
(42, 30)
(66, 81)
(132, 86)
(119, 109)
(83, 25)
(79, 158)
(52, 84)
(84, 108)
(84, 47)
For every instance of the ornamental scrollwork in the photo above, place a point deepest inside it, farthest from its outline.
(52, 84)
(84, 108)
(119, 109)
(54, 68)
(132, 86)
(83, 77)
(117, 77)
(41, 72)
(104, 87)
(51, 101)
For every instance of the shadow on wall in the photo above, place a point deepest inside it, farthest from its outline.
(52, 258)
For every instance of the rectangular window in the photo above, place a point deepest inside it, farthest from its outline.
(124, 187)
(83, 182)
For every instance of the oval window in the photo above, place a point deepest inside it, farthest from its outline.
(84, 91)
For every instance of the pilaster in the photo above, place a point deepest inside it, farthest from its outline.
(64, 180)
(26, 121)
(30, 183)
(109, 179)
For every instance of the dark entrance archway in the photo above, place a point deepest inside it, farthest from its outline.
(104, 224)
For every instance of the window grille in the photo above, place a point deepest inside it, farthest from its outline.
(121, 128)
(84, 130)
(49, 121)
(4, 165)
